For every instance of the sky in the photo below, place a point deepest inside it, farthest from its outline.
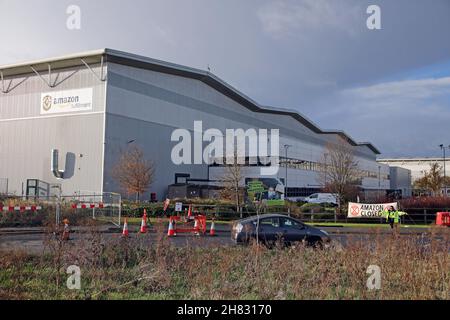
(390, 87)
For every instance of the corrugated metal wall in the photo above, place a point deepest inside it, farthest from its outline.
(147, 106)
(27, 137)
(143, 105)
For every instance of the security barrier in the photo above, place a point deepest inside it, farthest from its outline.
(89, 205)
(180, 226)
(20, 208)
(104, 205)
(443, 219)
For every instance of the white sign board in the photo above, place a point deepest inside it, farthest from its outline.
(178, 207)
(373, 210)
(66, 101)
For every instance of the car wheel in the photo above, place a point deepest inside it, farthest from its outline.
(315, 242)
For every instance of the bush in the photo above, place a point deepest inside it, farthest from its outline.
(134, 269)
(425, 203)
(311, 207)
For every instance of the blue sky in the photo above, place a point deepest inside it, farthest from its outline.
(390, 86)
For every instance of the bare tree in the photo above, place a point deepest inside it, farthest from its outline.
(432, 180)
(339, 171)
(133, 172)
(230, 181)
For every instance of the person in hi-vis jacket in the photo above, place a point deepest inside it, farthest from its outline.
(393, 217)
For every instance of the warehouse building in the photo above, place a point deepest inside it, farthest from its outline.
(401, 183)
(417, 168)
(92, 106)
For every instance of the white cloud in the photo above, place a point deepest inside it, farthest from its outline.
(409, 89)
(287, 17)
(402, 118)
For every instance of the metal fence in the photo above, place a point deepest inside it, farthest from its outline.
(108, 207)
(415, 216)
(105, 206)
(4, 186)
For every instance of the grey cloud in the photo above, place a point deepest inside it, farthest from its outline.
(289, 17)
(403, 118)
(314, 56)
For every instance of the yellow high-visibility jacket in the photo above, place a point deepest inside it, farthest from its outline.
(393, 215)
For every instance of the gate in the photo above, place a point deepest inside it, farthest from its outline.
(105, 206)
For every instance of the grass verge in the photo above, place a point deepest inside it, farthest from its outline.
(133, 268)
(365, 225)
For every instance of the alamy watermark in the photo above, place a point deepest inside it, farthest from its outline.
(74, 279)
(73, 21)
(228, 148)
(374, 280)
(374, 20)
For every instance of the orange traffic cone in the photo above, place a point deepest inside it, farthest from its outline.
(190, 212)
(212, 232)
(171, 231)
(196, 227)
(66, 231)
(125, 232)
(144, 223)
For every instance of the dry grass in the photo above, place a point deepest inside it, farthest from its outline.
(133, 269)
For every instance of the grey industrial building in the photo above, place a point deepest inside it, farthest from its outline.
(91, 106)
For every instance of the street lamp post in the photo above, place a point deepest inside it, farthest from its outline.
(209, 164)
(445, 174)
(326, 170)
(286, 147)
(379, 180)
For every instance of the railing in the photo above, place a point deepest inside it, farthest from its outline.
(4, 186)
(113, 209)
(104, 206)
(416, 216)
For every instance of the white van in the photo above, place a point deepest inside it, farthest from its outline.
(322, 198)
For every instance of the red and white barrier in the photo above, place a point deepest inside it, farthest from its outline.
(20, 208)
(88, 205)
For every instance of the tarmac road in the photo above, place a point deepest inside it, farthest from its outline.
(33, 240)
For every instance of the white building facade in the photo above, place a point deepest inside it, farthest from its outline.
(418, 166)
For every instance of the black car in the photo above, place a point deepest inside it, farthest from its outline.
(273, 228)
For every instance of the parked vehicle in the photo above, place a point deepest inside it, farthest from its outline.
(270, 228)
(321, 198)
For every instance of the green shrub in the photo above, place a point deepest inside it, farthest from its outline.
(311, 207)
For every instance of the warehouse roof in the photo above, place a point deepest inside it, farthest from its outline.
(133, 60)
(424, 159)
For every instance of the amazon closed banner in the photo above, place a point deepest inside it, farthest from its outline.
(365, 210)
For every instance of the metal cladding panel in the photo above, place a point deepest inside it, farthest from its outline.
(154, 140)
(177, 101)
(27, 136)
(401, 180)
(24, 99)
(146, 106)
(25, 151)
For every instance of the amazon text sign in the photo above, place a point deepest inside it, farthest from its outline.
(362, 210)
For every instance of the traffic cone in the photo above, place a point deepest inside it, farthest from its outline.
(125, 232)
(171, 231)
(196, 228)
(190, 212)
(212, 232)
(144, 223)
(66, 231)
(196, 224)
